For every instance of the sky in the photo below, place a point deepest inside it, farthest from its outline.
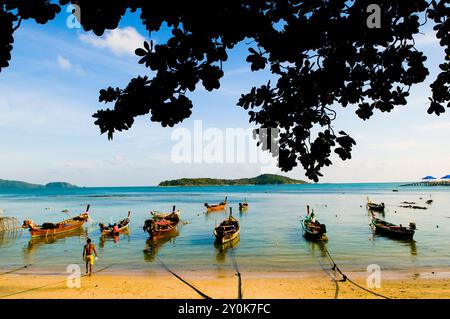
(50, 91)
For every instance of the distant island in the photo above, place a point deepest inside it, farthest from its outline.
(264, 179)
(24, 185)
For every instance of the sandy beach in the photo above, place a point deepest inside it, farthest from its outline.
(310, 285)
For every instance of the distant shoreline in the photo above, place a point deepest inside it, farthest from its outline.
(12, 184)
(263, 179)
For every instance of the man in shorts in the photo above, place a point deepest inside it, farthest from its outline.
(88, 255)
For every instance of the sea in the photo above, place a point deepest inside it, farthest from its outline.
(271, 235)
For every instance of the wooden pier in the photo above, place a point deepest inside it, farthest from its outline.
(424, 184)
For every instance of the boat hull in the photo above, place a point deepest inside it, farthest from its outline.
(63, 229)
(375, 208)
(112, 232)
(313, 235)
(243, 207)
(159, 234)
(227, 237)
(156, 231)
(216, 208)
(385, 231)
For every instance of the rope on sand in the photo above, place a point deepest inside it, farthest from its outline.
(49, 285)
(333, 278)
(14, 270)
(238, 274)
(182, 280)
(345, 277)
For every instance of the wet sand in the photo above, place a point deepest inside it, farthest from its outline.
(311, 285)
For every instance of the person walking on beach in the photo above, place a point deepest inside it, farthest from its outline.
(88, 255)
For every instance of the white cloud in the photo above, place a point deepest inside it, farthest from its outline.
(395, 146)
(64, 63)
(238, 71)
(119, 41)
(427, 38)
(434, 127)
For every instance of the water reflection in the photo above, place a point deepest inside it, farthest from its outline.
(409, 243)
(152, 248)
(35, 243)
(413, 248)
(115, 238)
(371, 213)
(243, 213)
(318, 247)
(223, 249)
(9, 237)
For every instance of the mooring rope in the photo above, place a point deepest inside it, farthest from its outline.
(52, 284)
(333, 278)
(345, 277)
(238, 274)
(182, 280)
(14, 270)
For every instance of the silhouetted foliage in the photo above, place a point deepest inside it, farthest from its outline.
(322, 52)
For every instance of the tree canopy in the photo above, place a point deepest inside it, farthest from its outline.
(323, 53)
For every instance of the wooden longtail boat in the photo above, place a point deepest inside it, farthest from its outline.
(162, 225)
(312, 229)
(65, 226)
(217, 207)
(382, 227)
(243, 206)
(123, 226)
(375, 207)
(228, 230)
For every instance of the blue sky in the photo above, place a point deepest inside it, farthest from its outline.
(50, 92)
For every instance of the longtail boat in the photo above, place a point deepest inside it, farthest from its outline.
(217, 207)
(375, 207)
(122, 226)
(162, 225)
(65, 226)
(382, 227)
(228, 230)
(243, 206)
(312, 229)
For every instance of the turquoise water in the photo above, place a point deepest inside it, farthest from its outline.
(270, 240)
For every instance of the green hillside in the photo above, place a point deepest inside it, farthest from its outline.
(60, 185)
(17, 184)
(264, 179)
(24, 185)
